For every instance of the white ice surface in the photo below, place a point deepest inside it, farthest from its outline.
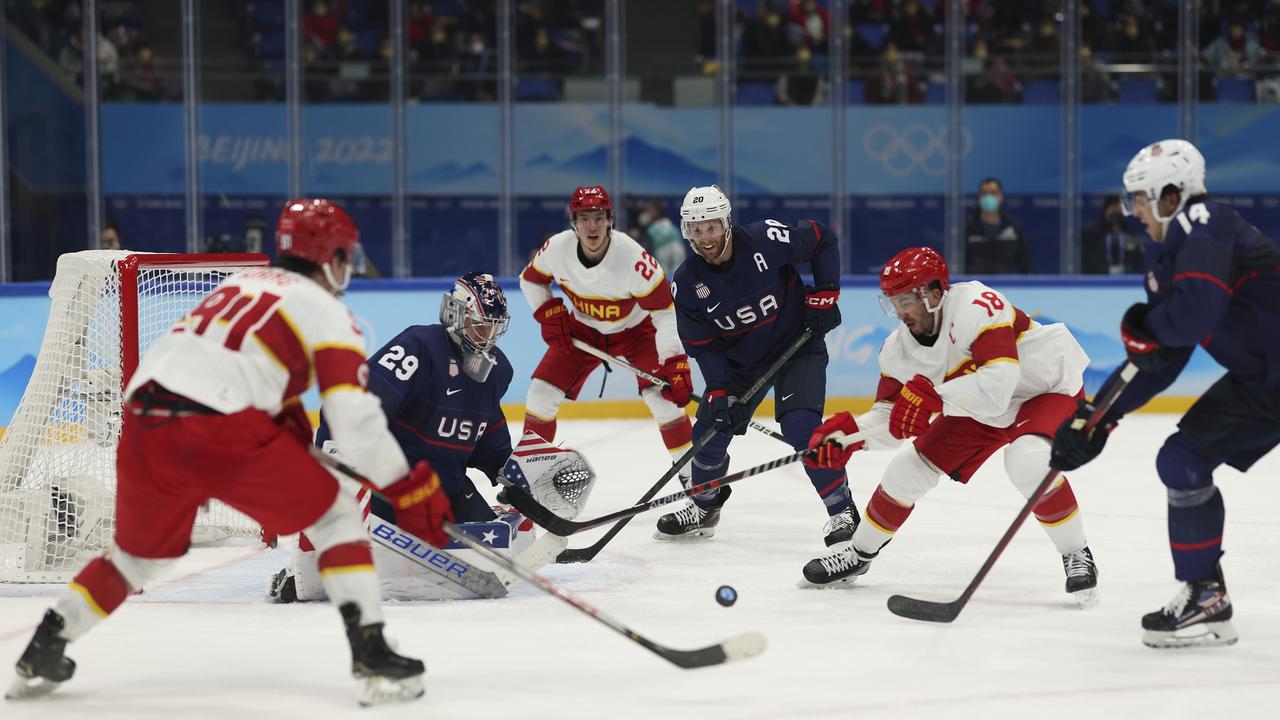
(208, 645)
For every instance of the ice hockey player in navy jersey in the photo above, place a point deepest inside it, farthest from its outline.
(441, 387)
(740, 302)
(1215, 283)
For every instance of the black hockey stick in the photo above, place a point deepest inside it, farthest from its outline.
(597, 352)
(575, 555)
(945, 612)
(557, 525)
(738, 647)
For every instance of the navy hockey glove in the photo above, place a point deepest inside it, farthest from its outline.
(1144, 350)
(1072, 448)
(821, 309)
(724, 412)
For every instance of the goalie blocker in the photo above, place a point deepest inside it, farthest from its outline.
(409, 569)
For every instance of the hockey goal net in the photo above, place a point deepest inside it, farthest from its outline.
(57, 457)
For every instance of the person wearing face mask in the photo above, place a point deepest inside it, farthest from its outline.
(662, 237)
(1109, 247)
(994, 241)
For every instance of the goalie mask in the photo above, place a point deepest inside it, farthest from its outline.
(560, 479)
(475, 316)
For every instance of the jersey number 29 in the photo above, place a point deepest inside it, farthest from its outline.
(394, 359)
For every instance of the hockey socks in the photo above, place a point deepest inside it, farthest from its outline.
(885, 514)
(831, 485)
(677, 436)
(1059, 515)
(94, 594)
(1195, 533)
(546, 429)
(348, 576)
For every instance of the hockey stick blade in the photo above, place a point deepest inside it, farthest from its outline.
(915, 609)
(926, 610)
(739, 647)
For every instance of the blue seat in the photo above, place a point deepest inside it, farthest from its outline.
(368, 41)
(756, 93)
(537, 88)
(268, 13)
(271, 44)
(1041, 92)
(935, 94)
(1236, 90)
(1136, 90)
(855, 92)
(873, 33)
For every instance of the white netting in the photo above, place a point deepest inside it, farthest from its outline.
(57, 457)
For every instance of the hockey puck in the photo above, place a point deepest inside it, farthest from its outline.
(726, 595)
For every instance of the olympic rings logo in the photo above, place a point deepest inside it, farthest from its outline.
(915, 147)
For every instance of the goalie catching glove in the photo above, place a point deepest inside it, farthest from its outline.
(421, 505)
(560, 479)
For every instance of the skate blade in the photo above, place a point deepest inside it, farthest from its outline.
(695, 535)
(28, 688)
(1085, 599)
(844, 583)
(1205, 635)
(383, 690)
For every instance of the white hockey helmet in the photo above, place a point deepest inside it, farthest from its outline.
(704, 203)
(1158, 165)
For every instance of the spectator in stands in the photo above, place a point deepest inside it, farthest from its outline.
(894, 81)
(801, 84)
(544, 57)
(420, 23)
(1133, 44)
(1233, 54)
(436, 58)
(1095, 84)
(1269, 27)
(811, 21)
(766, 43)
(994, 241)
(1094, 30)
(475, 70)
(71, 60)
(109, 239)
(912, 26)
(320, 26)
(1042, 57)
(1108, 247)
(660, 236)
(994, 83)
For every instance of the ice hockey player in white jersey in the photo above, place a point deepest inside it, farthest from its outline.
(213, 412)
(996, 377)
(619, 302)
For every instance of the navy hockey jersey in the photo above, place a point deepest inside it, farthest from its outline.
(435, 411)
(735, 318)
(1215, 282)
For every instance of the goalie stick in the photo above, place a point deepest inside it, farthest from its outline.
(945, 612)
(738, 647)
(597, 352)
(585, 554)
(556, 525)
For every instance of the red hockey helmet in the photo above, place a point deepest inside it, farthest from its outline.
(315, 229)
(592, 197)
(913, 268)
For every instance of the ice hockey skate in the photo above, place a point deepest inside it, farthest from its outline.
(691, 522)
(840, 527)
(282, 588)
(841, 566)
(43, 665)
(388, 676)
(1082, 577)
(1198, 616)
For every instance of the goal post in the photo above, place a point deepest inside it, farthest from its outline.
(57, 456)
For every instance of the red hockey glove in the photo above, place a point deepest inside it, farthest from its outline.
(828, 454)
(421, 505)
(1144, 350)
(556, 322)
(679, 379)
(913, 410)
(821, 309)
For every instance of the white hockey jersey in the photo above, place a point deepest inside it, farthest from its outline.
(989, 358)
(618, 293)
(258, 341)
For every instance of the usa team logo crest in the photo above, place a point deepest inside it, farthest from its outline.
(702, 291)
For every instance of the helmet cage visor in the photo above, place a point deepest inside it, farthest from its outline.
(907, 301)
